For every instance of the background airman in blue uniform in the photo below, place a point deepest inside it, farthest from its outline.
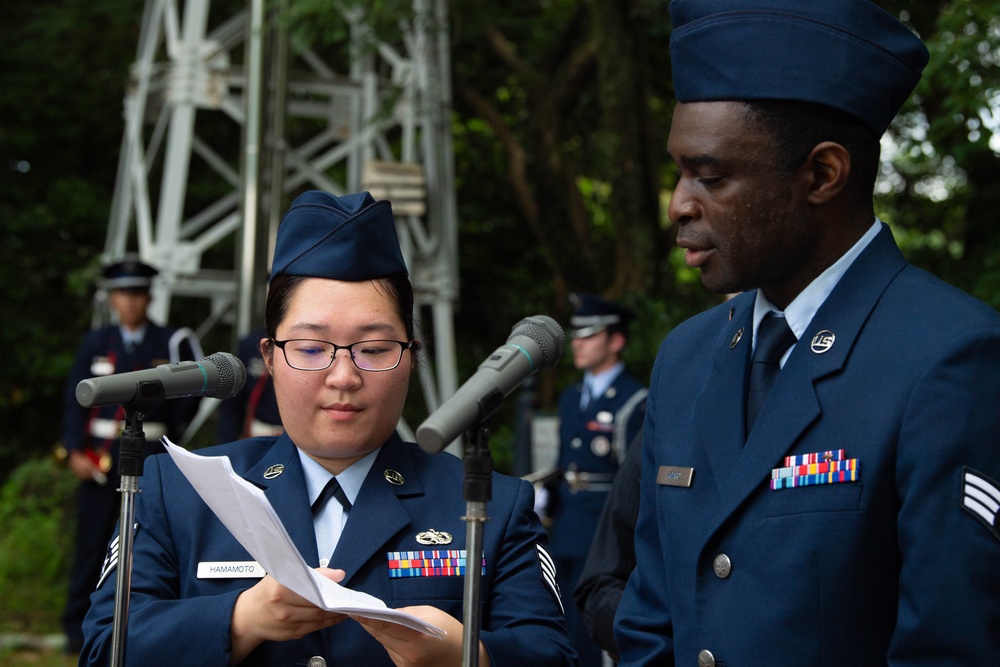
(598, 419)
(90, 436)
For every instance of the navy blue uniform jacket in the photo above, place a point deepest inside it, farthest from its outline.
(176, 618)
(892, 569)
(603, 433)
(102, 352)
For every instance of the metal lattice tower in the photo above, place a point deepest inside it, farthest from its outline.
(374, 120)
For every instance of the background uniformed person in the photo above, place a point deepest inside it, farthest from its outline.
(253, 412)
(90, 436)
(598, 418)
(820, 476)
(611, 558)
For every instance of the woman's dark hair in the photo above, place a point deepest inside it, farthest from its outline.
(279, 294)
(797, 127)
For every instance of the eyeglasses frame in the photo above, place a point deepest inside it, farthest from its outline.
(404, 346)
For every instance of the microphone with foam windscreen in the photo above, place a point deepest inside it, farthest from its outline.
(535, 342)
(220, 375)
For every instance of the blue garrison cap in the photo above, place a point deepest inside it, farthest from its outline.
(847, 54)
(592, 314)
(349, 238)
(128, 273)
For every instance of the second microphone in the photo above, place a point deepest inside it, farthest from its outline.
(535, 342)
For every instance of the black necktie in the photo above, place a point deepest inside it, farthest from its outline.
(774, 337)
(332, 488)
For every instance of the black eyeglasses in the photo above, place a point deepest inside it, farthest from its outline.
(305, 354)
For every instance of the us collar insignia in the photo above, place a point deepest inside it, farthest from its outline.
(432, 536)
(822, 342)
(394, 477)
(274, 471)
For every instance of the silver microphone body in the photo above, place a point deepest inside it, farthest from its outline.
(535, 342)
(220, 375)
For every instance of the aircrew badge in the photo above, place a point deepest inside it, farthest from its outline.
(432, 536)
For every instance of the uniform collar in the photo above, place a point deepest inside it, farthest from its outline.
(133, 337)
(599, 382)
(350, 479)
(801, 310)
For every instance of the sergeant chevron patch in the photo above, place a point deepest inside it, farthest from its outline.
(111, 559)
(548, 570)
(981, 498)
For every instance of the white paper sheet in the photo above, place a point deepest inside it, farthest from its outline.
(246, 512)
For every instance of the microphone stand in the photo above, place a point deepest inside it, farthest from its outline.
(130, 463)
(478, 490)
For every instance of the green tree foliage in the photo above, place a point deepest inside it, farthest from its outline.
(34, 552)
(63, 69)
(943, 191)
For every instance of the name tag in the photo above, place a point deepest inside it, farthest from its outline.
(237, 569)
(674, 476)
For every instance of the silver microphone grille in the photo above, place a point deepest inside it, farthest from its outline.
(232, 374)
(546, 332)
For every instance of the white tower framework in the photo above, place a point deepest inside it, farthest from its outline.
(226, 118)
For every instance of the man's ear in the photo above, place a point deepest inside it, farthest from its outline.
(827, 169)
(617, 342)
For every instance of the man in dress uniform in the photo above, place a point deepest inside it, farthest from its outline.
(90, 436)
(598, 418)
(820, 474)
(253, 412)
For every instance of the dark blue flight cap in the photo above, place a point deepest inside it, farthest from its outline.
(350, 238)
(128, 273)
(592, 314)
(846, 54)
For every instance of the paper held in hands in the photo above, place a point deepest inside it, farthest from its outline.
(246, 512)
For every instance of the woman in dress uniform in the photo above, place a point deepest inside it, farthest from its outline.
(340, 346)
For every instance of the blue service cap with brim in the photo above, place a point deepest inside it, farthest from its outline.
(128, 273)
(847, 54)
(349, 238)
(592, 315)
